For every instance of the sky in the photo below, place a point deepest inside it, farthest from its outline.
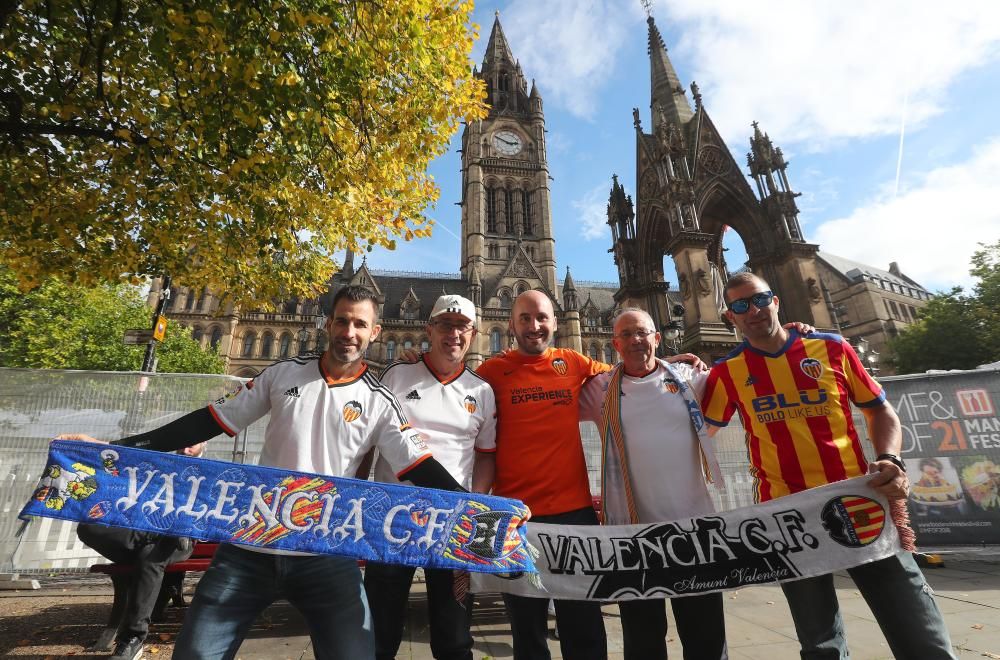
(887, 113)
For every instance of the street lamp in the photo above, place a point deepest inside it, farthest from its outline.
(671, 333)
(303, 340)
(869, 358)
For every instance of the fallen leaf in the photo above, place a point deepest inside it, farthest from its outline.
(977, 626)
(770, 602)
(153, 649)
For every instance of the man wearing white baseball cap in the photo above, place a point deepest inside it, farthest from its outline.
(454, 410)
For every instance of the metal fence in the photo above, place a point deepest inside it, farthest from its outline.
(35, 406)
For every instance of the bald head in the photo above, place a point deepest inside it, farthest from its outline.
(532, 322)
(633, 315)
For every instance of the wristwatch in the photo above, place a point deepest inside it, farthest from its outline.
(892, 458)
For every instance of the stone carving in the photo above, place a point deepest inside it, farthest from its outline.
(704, 285)
(685, 286)
(815, 294)
(713, 160)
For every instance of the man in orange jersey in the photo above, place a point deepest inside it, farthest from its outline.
(793, 394)
(539, 459)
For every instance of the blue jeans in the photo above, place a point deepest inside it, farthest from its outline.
(240, 584)
(899, 597)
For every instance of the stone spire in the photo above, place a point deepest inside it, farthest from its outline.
(497, 49)
(666, 91)
(570, 302)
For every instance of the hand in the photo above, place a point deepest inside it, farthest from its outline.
(80, 436)
(889, 480)
(689, 358)
(194, 450)
(802, 328)
(409, 355)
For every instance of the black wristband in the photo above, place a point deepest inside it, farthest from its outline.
(892, 458)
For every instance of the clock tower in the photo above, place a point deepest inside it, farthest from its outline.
(507, 240)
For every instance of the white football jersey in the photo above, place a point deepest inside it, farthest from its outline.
(456, 416)
(319, 424)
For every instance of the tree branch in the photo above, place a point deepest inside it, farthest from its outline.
(17, 129)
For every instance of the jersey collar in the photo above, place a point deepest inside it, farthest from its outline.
(333, 382)
(443, 379)
(793, 334)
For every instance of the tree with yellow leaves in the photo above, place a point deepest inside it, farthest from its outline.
(233, 144)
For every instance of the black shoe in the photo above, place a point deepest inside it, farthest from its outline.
(129, 649)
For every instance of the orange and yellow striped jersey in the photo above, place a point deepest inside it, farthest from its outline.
(796, 408)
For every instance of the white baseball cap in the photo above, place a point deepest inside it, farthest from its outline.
(452, 304)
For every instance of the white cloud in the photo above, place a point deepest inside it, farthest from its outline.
(592, 211)
(932, 228)
(816, 73)
(568, 46)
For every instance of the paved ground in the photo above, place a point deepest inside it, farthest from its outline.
(66, 614)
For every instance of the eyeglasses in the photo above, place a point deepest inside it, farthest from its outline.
(742, 305)
(448, 326)
(627, 335)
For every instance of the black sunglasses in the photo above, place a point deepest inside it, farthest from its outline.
(742, 305)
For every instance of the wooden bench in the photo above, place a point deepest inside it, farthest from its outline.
(121, 577)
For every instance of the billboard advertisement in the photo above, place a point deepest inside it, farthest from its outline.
(951, 449)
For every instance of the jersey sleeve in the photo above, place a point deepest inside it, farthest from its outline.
(589, 367)
(592, 398)
(716, 404)
(697, 378)
(486, 438)
(398, 442)
(864, 391)
(245, 404)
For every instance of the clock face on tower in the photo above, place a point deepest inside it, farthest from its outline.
(507, 143)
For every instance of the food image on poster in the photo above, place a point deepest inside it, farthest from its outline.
(935, 484)
(981, 480)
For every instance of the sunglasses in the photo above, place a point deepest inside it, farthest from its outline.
(742, 305)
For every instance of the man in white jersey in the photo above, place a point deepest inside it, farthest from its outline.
(653, 473)
(455, 413)
(326, 413)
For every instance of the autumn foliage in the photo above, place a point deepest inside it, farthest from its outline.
(234, 145)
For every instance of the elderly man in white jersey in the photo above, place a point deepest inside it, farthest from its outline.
(326, 413)
(455, 413)
(652, 472)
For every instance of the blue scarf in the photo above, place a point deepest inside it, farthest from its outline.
(267, 507)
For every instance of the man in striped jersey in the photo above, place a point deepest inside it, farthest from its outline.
(454, 410)
(793, 394)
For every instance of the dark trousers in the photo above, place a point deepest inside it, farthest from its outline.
(700, 626)
(580, 623)
(388, 589)
(150, 553)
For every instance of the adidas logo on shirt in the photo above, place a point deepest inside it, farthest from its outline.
(750, 381)
(292, 392)
(413, 396)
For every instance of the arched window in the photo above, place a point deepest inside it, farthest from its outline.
(197, 334)
(321, 340)
(520, 288)
(248, 340)
(266, 345)
(609, 354)
(508, 205)
(595, 354)
(390, 350)
(425, 346)
(285, 346)
(408, 344)
(496, 344)
(491, 209)
(189, 303)
(505, 299)
(201, 300)
(216, 337)
(529, 213)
